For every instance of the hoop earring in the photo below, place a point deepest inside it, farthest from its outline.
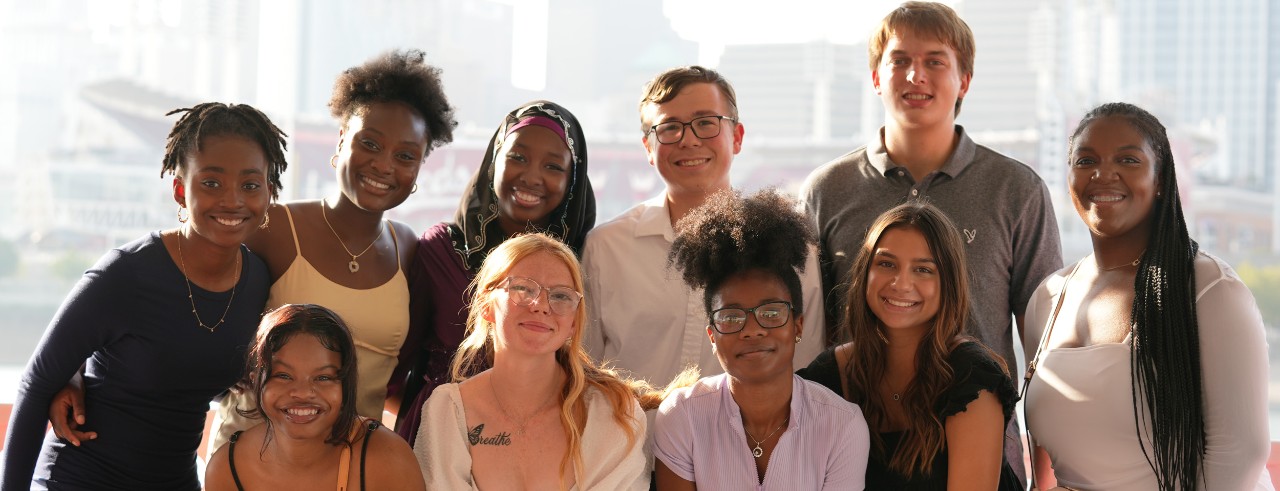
(331, 163)
(266, 219)
(183, 218)
(415, 188)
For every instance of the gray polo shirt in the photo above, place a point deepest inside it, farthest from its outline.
(1001, 206)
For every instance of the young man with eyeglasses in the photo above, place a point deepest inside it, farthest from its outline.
(644, 319)
(921, 60)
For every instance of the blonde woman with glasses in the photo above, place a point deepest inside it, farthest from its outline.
(544, 416)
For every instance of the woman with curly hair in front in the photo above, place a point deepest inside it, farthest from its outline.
(758, 425)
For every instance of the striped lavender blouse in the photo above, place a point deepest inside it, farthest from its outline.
(699, 436)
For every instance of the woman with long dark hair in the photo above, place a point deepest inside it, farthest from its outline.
(302, 375)
(1148, 358)
(533, 178)
(936, 400)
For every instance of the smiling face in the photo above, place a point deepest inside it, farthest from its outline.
(533, 328)
(224, 188)
(902, 282)
(1113, 179)
(530, 178)
(755, 353)
(303, 394)
(381, 148)
(693, 165)
(919, 81)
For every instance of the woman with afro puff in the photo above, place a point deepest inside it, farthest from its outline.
(757, 426)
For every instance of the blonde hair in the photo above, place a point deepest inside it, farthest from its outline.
(477, 351)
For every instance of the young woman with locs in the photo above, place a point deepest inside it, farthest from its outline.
(936, 400)
(159, 324)
(533, 178)
(302, 373)
(1148, 358)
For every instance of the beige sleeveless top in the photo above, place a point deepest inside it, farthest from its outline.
(378, 318)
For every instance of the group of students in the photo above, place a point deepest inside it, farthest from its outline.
(859, 337)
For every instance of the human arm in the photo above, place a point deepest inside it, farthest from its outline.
(441, 447)
(1043, 465)
(1234, 367)
(217, 473)
(975, 444)
(1037, 253)
(86, 321)
(593, 339)
(391, 464)
(66, 412)
(847, 464)
(667, 480)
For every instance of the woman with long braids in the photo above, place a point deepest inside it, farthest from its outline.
(542, 415)
(160, 324)
(757, 425)
(533, 177)
(1148, 358)
(937, 401)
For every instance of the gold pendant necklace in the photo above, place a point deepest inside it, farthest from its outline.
(190, 298)
(757, 451)
(353, 265)
(1113, 268)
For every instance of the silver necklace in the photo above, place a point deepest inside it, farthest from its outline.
(353, 265)
(519, 424)
(191, 298)
(757, 451)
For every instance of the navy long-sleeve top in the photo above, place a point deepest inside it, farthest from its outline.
(150, 375)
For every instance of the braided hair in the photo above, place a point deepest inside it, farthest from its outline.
(396, 76)
(731, 234)
(218, 119)
(1165, 366)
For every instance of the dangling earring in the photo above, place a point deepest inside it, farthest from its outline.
(266, 219)
(797, 339)
(182, 218)
(331, 163)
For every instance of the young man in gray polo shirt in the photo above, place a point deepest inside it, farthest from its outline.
(921, 59)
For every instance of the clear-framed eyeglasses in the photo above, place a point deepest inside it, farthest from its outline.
(769, 315)
(704, 127)
(524, 292)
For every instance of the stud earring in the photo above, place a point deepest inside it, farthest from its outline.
(331, 163)
(713, 347)
(266, 219)
(797, 339)
(181, 217)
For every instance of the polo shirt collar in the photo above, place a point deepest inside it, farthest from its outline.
(655, 219)
(878, 155)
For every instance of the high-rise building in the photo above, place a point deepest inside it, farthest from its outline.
(800, 92)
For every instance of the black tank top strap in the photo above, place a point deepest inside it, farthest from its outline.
(373, 425)
(231, 458)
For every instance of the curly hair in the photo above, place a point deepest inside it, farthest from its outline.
(731, 234)
(396, 76)
(218, 119)
(1165, 366)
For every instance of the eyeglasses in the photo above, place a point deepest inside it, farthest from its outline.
(524, 292)
(769, 315)
(703, 127)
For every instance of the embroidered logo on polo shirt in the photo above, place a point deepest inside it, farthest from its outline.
(969, 235)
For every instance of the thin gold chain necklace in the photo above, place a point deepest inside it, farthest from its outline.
(519, 424)
(191, 298)
(1113, 268)
(353, 265)
(757, 451)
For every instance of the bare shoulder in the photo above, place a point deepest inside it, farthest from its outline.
(406, 241)
(217, 473)
(843, 353)
(391, 463)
